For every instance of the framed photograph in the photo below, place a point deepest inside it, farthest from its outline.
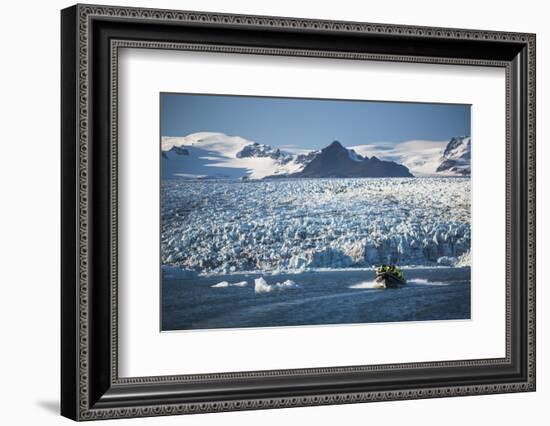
(263, 212)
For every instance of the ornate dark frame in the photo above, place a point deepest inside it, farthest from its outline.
(91, 37)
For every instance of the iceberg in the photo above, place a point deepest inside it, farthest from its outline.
(261, 286)
(225, 284)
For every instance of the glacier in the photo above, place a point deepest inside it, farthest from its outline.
(295, 225)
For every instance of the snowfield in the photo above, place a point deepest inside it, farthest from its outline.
(217, 155)
(425, 158)
(293, 225)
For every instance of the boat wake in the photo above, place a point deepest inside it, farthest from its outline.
(366, 284)
(414, 281)
(423, 281)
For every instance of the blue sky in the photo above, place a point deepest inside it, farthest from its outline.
(311, 123)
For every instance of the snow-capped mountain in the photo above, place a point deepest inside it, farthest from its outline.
(337, 161)
(257, 150)
(425, 158)
(216, 155)
(456, 157)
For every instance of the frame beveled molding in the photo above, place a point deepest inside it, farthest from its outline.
(77, 344)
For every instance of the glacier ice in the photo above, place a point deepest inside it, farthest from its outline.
(294, 225)
(465, 259)
(447, 261)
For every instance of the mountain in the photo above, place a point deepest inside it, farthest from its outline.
(256, 150)
(337, 161)
(425, 158)
(456, 158)
(217, 155)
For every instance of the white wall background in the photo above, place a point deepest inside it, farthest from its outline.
(29, 211)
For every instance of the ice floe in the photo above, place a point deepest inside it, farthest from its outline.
(224, 284)
(261, 286)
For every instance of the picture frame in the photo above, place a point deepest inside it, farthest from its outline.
(91, 37)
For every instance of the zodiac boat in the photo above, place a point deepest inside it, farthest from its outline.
(389, 277)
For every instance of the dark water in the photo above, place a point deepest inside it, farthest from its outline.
(321, 298)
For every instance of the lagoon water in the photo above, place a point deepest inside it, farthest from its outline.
(317, 298)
